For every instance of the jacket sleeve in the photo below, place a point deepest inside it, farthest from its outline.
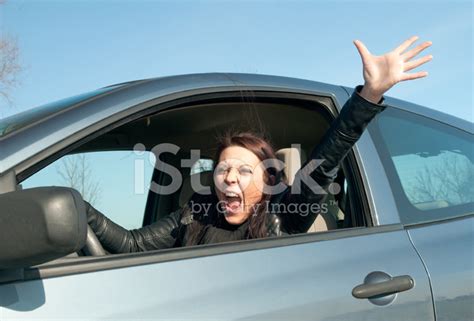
(115, 239)
(323, 164)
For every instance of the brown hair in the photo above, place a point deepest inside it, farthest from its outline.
(259, 146)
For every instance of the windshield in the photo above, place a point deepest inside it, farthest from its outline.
(18, 121)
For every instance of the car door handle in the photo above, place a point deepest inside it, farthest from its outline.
(387, 287)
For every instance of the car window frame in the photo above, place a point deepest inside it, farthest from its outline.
(72, 265)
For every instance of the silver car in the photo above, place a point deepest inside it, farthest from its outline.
(396, 242)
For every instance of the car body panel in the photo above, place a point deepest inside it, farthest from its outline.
(447, 251)
(310, 281)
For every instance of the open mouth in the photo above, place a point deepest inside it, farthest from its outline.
(232, 203)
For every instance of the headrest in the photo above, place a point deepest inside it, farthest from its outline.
(425, 206)
(292, 157)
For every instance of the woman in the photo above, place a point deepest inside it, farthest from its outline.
(242, 200)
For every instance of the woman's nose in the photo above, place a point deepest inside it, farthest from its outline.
(232, 176)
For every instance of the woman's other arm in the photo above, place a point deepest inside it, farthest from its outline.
(116, 239)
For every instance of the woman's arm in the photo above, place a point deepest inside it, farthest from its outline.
(116, 239)
(380, 74)
(311, 182)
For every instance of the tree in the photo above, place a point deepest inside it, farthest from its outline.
(76, 173)
(450, 180)
(9, 65)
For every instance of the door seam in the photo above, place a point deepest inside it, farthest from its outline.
(427, 273)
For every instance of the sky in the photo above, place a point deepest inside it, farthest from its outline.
(71, 47)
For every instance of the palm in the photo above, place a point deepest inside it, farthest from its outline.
(383, 72)
(385, 68)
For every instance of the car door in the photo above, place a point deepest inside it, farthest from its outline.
(300, 277)
(307, 277)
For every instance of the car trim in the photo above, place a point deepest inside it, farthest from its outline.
(439, 220)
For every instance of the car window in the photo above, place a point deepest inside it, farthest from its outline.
(114, 182)
(202, 165)
(429, 165)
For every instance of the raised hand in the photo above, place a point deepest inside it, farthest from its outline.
(382, 72)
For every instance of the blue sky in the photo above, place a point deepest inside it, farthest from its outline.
(68, 47)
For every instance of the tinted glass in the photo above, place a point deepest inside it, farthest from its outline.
(430, 165)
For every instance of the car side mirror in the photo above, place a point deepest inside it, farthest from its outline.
(40, 224)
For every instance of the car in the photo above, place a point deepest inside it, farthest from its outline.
(396, 242)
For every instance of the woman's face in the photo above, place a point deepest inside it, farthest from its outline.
(239, 181)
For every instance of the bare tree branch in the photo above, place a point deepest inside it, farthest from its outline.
(76, 173)
(9, 66)
(450, 180)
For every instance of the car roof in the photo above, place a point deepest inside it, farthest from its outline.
(26, 141)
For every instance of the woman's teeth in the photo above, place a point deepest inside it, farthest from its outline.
(233, 203)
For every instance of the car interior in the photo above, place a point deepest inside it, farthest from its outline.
(195, 124)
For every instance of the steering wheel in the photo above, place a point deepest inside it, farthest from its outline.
(93, 247)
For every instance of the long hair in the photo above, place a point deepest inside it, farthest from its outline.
(264, 151)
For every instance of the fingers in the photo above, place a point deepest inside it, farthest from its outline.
(407, 43)
(414, 75)
(415, 51)
(362, 49)
(407, 56)
(415, 63)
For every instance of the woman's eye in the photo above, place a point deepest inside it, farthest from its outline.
(220, 170)
(245, 171)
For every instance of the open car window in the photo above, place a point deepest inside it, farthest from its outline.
(114, 182)
(121, 182)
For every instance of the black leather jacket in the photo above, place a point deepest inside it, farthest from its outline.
(171, 230)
